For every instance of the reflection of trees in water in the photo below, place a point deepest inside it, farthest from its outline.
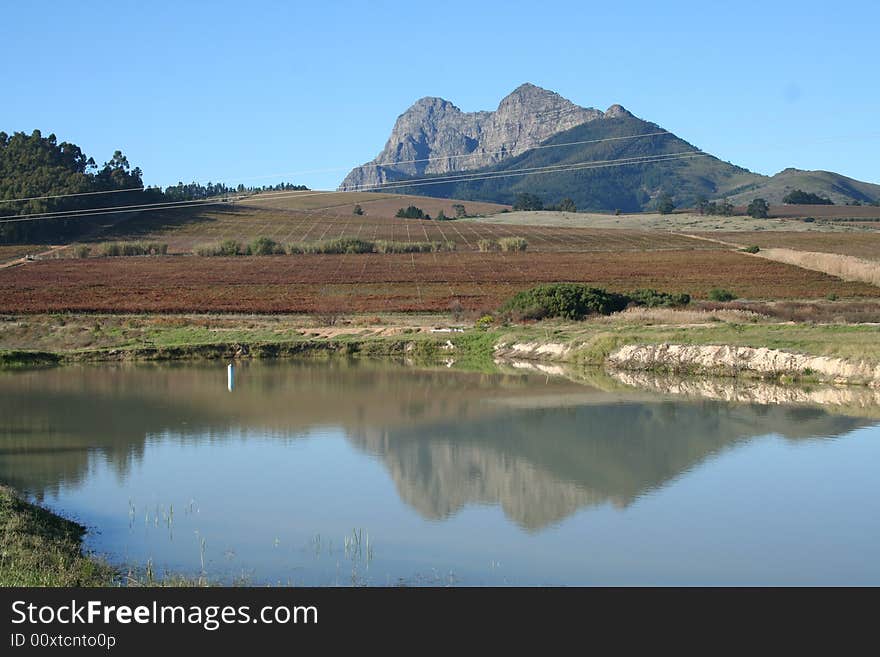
(448, 439)
(54, 422)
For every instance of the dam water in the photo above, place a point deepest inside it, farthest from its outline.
(309, 473)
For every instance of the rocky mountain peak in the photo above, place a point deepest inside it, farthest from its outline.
(617, 111)
(435, 136)
(529, 92)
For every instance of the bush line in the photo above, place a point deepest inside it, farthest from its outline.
(266, 246)
(576, 301)
(116, 249)
(506, 244)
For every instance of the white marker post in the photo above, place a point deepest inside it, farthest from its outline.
(230, 377)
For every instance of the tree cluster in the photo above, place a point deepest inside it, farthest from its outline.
(717, 208)
(412, 212)
(526, 201)
(59, 177)
(800, 197)
(665, 205)
(758, 208)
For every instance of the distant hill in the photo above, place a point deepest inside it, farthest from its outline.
(835, 186)
(476, 156)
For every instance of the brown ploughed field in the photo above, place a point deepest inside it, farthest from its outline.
(861, 244)
(826, 211)
(387, 282)
(185, 231)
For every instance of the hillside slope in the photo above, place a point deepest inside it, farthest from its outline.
(618, 179)
(835, 186)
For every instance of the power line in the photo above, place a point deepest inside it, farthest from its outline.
(170, 205)
(647, 159)
(464, 176)
(533, 148)
(445, 157)
(40, 198)
(362, 166)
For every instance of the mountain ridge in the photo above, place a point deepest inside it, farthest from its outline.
(433, 138)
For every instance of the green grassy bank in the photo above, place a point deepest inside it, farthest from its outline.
(39, 548)
(35, 341)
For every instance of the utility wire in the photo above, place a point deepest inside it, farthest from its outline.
(39, 198)
(647, 159)
(362, 166)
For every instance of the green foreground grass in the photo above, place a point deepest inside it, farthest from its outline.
(38, 340)
(38, 548)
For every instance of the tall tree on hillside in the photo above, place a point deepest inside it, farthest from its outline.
(758, 208)
(665, 204)
(566, 205)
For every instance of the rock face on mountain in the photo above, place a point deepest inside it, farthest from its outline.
(434, 136)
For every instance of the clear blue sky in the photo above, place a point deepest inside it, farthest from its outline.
(236, 91)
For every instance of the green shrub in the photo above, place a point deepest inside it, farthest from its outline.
(652, 298)
(566, 205)
(225, 248)
(566, 300)
(133, 249)
(333, 247)
(385, 246)
(411, 212)
(526, 201)
(751, 249)
(720, 294)
(665, 204)
(230, 248)
(758, 209)
(486, 245)
(207, 251)
(263, 246)
(485, 322)
(81, 251)
(115, 249)
(111, 249)
(512, 244)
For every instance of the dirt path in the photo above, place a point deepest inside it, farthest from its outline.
(844, 267)
(24, 259)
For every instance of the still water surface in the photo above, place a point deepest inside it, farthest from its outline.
(316, 473)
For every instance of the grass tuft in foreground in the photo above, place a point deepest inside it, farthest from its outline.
(38, 548)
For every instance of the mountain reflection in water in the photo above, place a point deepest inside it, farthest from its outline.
(540, 448)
